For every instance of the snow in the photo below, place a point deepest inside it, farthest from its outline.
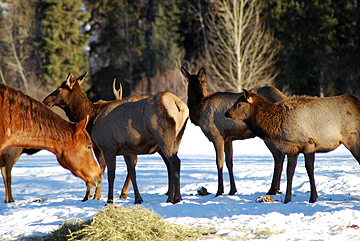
(335, 215)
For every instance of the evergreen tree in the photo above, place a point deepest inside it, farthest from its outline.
(318, 46)
(117, 45)
(61, 44)
(165, 40)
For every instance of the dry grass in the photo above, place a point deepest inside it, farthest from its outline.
(116, 222)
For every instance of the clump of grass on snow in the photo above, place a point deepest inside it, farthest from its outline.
(134, 223)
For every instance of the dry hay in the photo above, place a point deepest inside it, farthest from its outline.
(116, 222)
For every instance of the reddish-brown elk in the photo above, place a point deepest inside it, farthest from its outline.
(154, 124)
(10, 156)
(207, 111)
(302, 125)
(25, 122)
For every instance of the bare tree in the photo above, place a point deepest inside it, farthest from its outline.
(18, 62)
(242, 51)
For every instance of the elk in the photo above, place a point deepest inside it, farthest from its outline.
(302, 125)
(10, 156)
(26, 122)
(207, 111)
(153, 124)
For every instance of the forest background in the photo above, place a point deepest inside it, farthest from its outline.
(300, 46)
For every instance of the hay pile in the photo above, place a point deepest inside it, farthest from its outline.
(135, 223)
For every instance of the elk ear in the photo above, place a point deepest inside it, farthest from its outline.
(70, 81)
(253, 90)
(201, 74)
(82, 125)
(249, 96)
(81, 78)
(185, 73)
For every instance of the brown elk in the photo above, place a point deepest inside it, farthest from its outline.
(207, 111)
(25, 122)
(302, 125)
(154, 124)
(8, 158)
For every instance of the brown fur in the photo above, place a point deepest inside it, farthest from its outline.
(131, 128)
(25, 122)
(303, 125)
(207, 111)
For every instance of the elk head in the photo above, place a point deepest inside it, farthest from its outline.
(60, 96)
(241, 108)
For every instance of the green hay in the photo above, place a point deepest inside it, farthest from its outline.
(134, 223)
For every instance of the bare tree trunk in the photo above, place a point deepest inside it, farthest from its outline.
(2, 77)
(17, 63)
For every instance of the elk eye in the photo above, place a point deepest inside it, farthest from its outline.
(239, 105)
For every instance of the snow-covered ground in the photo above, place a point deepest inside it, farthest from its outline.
(335, 216)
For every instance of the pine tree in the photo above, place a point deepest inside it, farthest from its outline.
(62, 41)
(116, 49)
(165, 40)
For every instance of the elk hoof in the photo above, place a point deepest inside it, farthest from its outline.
(138, 201)
(273, 192)
(218, 194)
(109, 202)
(176, 200)
(287, 201)
(232, 192)
(124, 195)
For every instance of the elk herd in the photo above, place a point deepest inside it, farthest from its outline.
(98, 132)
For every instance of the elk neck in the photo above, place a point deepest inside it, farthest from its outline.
(79, 106)
(196, 97)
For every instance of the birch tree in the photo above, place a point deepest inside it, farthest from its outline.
(242, 51)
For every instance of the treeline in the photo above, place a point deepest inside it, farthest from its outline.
(301, 47)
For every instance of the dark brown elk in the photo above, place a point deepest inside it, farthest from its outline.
(8, 158)
(302, 125)
(207, 111)
(26, 122)
(154, 124)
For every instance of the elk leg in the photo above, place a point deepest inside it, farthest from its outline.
(174, 191)
(130, 163)
(167, 163)
(110, 159)
(88, 194)
(309, 165)
(292, 161)
(278, 166)
(219, 148)
(7, 184)
(9, 157)
(101, 159)
(125, 190)
(229, 164)
(126, 186)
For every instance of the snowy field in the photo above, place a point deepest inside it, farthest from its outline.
(335, 216)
